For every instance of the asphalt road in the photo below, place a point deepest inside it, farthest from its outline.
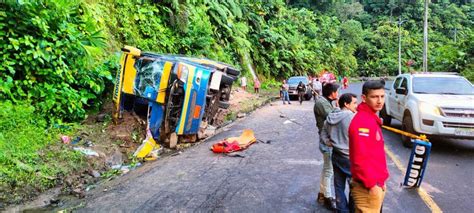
(281, 176)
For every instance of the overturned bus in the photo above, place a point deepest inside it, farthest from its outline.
(179, 92)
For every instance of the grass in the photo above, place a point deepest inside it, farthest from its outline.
(31, 157)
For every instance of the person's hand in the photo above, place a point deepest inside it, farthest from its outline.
(375, 190)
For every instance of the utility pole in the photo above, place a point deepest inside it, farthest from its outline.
(400, 22)
(425, 38)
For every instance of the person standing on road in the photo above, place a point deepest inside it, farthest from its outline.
(335, 134)
(345, 82)
(301, 88)
(366, 150)
(256, 85)
(322, 107)
(317, 87)
(284, 91)
(243, 83)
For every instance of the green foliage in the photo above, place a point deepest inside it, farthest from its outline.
(50, 57)
(62, 60)
(28, 161)
(450, 29)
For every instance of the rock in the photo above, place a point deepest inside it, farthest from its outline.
(90, 187)
(240, 115)
(94, 173)
(209, 132)
(201, 134)
(68, 181)
(115, 159)
(78, 192)
(101, 117)
(124, 170)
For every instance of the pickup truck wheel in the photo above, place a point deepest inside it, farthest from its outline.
(407, 126)
(387, 119)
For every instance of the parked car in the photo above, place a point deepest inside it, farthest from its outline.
(440, 105)
(177, 92)
(293, 83)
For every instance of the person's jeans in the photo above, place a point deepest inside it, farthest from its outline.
(286, 97)
(326, 182)
(342, 176)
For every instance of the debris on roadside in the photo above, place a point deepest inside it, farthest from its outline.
(65, 139)
(265, 142)
(206, 131)
(153, 155)
(94, 173)
(87, 152)
(88, 143)
(114, 160)
(176, 153)
(234, 144)
(124, 169)
(233, 154)
(79, 192)
(148, 145)
(76, 140)
(241, 115)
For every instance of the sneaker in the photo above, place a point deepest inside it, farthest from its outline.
(320, 198)
(330, 203)
(289, 102)
(284, 103)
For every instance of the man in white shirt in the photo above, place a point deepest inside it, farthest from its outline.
(243, 83)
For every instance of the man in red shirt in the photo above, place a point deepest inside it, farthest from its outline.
(366, 150)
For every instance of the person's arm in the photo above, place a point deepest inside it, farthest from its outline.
(325, 138)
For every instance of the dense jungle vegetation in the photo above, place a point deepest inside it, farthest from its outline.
(59, 57)
(62, 55)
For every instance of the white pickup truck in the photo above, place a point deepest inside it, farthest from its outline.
(431, 104)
